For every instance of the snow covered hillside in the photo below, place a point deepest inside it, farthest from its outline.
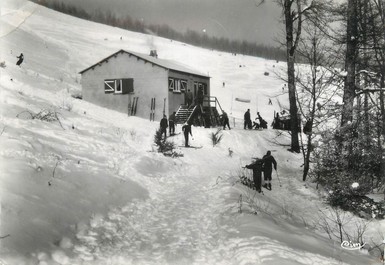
(81, 184)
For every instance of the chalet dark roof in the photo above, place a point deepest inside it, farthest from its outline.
(167, 64)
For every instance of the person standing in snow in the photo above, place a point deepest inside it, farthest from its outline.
(268, 162)
(163, 126)
(171, 123)
(247, 120)
(276, 122)
(186, 131)
(257, 173)
(21, 59)
(225, 121)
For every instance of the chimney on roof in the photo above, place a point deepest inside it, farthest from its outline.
(153, 53)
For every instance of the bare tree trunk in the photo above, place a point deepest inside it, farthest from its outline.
(293, 108)
(382, 104)
(314, 64)
(350, 63)
(306, 165)
(382, 108)
(290, 53)
(364, 25)
(366, 120)
(378, 38)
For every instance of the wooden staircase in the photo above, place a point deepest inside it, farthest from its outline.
(215, 118)
(183, 114)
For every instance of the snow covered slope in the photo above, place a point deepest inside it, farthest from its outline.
(86, 187)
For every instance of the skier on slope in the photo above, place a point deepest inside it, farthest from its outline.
(256, 166)
(21, 59)
(268, 162)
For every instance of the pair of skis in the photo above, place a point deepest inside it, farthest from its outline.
(152, 110)
(190, 146)
(134, 106)
(174, 134)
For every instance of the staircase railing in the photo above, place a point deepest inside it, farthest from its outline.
(209, 100)
(191, 114)
(214, 108)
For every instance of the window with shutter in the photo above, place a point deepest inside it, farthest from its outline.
(171, 84)
(183, 85)
(119, 86)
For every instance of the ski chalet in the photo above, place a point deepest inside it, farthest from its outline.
(148, 87)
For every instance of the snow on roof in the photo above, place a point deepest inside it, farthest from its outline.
(167, 64)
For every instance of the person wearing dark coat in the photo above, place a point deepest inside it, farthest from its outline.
(226, 121)
(200, 96)
(256, 125)
(247, 120)
(186, 131)
(268, 162)
(21, 59)
(171, 123)
(164, 125)
(276, 122)
(262, 122)
(257, 173)
(188, 98)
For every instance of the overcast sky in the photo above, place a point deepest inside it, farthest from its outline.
(234, 19)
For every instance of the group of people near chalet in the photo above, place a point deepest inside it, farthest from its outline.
(248, 124)
(253, 125)
(164, 124)
(186, 128)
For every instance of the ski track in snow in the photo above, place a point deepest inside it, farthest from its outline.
(179, 225)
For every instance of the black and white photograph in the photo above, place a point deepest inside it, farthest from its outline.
(192, 132)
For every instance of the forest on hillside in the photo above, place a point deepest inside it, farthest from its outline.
(166, 31)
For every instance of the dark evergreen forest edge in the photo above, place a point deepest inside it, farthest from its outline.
(190, 36)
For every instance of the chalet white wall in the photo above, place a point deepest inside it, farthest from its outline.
(149, 81)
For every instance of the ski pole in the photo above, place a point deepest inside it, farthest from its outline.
(278, 178)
